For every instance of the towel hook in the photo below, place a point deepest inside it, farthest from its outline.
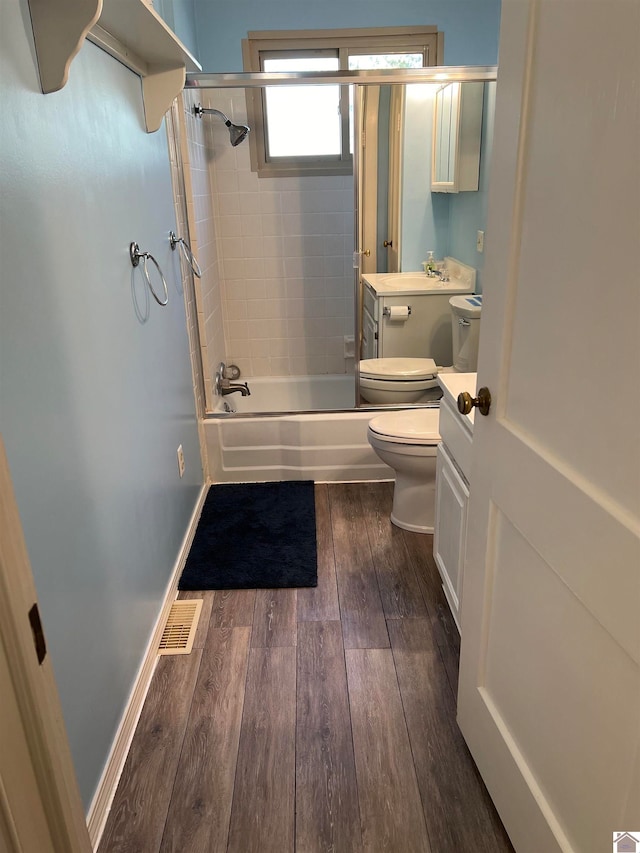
(135, 254)
(186, 251)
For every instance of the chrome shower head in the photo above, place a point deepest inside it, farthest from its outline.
(237, 132)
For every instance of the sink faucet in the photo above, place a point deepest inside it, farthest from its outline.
(227, 387)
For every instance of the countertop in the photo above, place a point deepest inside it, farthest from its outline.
(453, 384)
(412, 284)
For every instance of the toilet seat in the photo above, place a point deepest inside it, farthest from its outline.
(393, 381)
(398, 369)
(417, 427)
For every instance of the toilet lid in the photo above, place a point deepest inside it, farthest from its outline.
(398, 368)
(413, 426)
(467, 306)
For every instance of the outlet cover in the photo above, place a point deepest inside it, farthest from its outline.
(180, 453)
(480, 241)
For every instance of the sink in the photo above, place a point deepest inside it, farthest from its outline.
(418, 280)
(406, 283)
(462, 279)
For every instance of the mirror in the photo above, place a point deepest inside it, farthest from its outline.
(283, 285)
(424, 190)
(398, 203)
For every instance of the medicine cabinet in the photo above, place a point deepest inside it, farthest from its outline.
(457, 132)
(130, 31)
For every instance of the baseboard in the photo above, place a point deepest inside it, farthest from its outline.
(105, 792)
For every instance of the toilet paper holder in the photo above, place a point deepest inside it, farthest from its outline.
(386, 311)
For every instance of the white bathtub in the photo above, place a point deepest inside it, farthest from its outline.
(293, 394)
(329, 446)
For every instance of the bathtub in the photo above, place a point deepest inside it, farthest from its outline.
(251, 445)
(293, 394)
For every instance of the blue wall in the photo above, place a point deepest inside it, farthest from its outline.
(468, 210)
(471, 27)
(180, 17)
(95, 379)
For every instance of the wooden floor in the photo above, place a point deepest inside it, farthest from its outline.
(313, 719)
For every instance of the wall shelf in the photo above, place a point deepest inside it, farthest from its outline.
(130, 31)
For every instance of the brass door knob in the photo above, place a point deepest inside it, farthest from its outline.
(388, 244)
(365, 252)
(483, 402)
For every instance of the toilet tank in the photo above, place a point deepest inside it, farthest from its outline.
(465, 320)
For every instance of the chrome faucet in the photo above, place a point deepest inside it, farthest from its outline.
(227, 387)
(222, 386)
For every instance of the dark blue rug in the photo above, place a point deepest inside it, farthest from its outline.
(254, 536)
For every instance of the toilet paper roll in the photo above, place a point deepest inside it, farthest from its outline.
(399, 312)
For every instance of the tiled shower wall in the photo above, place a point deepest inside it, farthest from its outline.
(178, 178)
(196, 144)
(279, 252)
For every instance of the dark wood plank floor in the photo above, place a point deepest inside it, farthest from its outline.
(317, 720)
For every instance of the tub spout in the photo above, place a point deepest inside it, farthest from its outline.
(227, 387)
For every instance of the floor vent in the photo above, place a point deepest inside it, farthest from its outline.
(180, 628)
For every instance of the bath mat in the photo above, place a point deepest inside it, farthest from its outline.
(254, 536)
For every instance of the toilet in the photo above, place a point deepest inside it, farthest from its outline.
(389, 381)
(465, 317)
(397, 381)
(407, 441)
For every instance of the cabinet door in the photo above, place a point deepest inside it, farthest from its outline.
(452, 496)
(457, 132)
(369, 336)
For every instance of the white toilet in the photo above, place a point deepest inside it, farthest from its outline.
(407, 442)
(465, 317)
(389, 381)
(396, 381)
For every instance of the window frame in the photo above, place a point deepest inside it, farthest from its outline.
(344, 43)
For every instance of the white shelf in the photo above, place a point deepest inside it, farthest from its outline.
(129, 30)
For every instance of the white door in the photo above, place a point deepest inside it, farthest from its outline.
(396, 123)
(23, 822)
(368, 178)
(549, 695)
(40, 806)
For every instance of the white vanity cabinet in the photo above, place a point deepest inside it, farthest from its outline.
(452, 498)
(453, 465)
(424, 333)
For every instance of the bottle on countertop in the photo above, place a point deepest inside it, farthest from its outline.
(431, 264)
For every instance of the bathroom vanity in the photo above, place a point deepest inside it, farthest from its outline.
(453, 466)
(423, 330)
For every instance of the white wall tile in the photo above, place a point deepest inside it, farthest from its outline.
(278, 255)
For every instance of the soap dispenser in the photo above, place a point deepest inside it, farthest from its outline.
(431, 264)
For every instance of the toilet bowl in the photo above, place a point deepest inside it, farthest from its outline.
(407, 441)
(396, 381)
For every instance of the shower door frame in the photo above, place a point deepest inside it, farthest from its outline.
(254, 80)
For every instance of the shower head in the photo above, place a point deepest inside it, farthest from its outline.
(237, 132)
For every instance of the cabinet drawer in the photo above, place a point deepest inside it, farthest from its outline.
(370, 301)
(456, 437)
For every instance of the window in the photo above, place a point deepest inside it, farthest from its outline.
(305, 130)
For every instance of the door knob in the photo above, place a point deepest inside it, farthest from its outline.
(365, 252)
(388, 244)
(483, 401)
